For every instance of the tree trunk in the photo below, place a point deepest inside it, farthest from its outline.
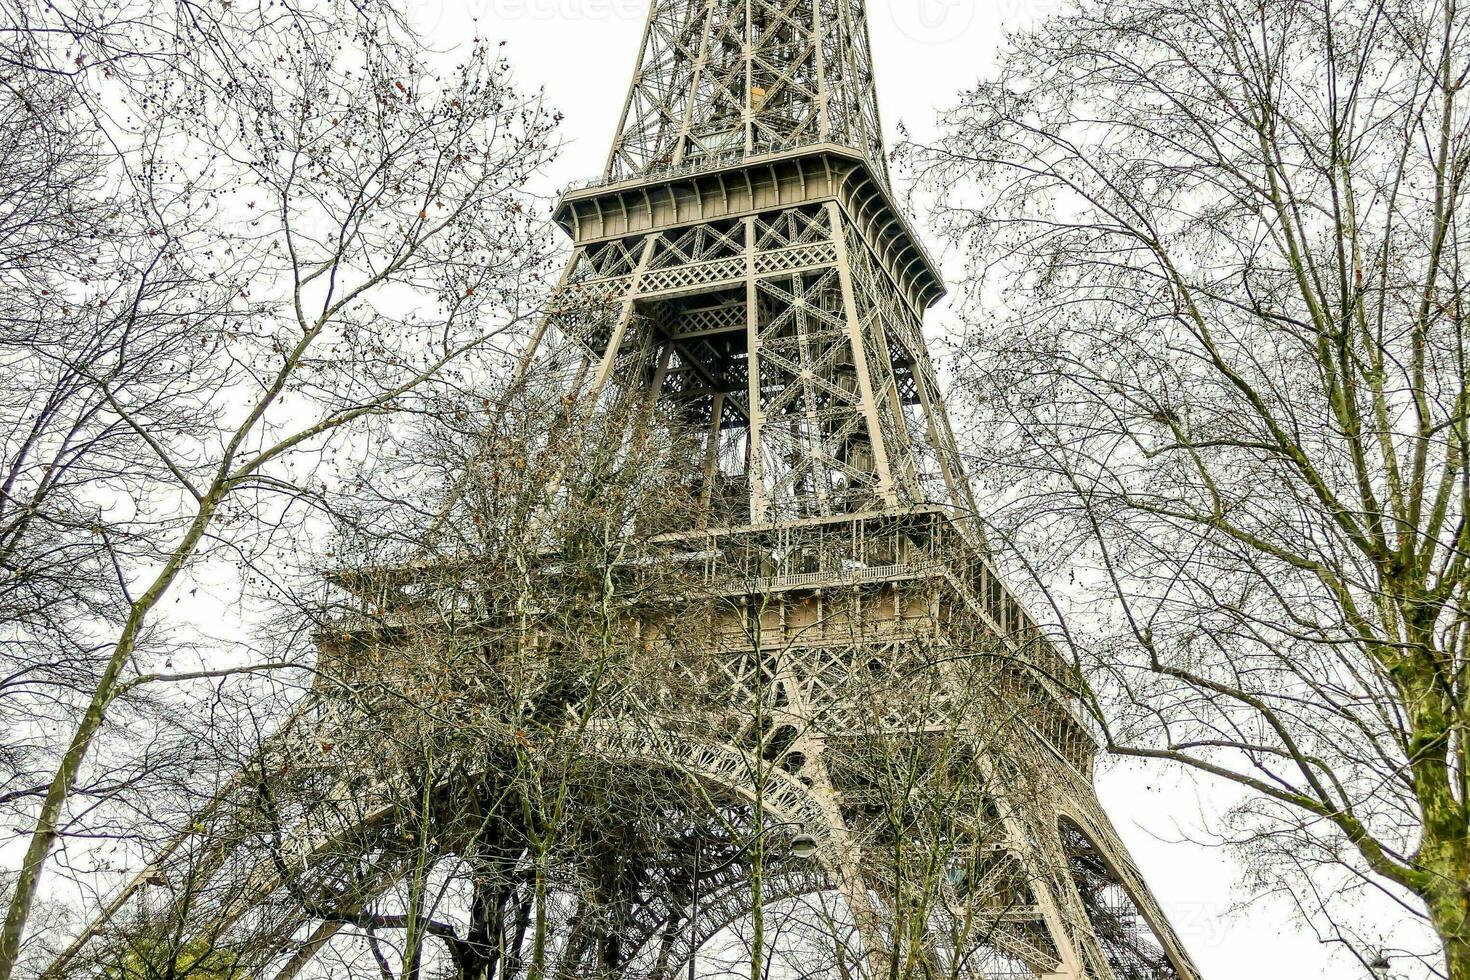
(481, 947)
(538, 937)
(1449, 910)
(1457, 958)
(63, 781)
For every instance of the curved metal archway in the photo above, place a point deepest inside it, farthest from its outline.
(1130, 942)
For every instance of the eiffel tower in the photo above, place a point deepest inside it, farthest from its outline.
(742, 265)
(742, 270)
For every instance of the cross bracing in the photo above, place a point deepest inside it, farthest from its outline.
(721, 80)
(851, 674)
(840, 411)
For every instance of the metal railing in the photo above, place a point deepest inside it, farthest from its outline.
(708, 162)
(702, 163)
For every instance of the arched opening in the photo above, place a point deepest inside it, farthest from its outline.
(1129, 941)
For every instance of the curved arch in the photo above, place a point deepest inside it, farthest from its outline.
(725, 907)
(1132, 943)
(315, 845)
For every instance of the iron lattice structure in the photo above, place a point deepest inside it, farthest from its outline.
(721, 81)
(742, 267)
(839, 655)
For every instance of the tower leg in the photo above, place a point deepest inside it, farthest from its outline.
(845, 864)
(302, 958)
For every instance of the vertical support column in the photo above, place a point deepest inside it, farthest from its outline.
(862, 96)
(625, 317)
(666, 945)
(906, 465)
(756, 466)
(748, 118)
(860, 358)
(844, 855)
(303, 956)
(946, 447)
(660, 375)
(649, 405)
(712, 456)
(543, 324)
(311, 947)
(691, 103)
(845, 863)
(811, 445)
(824, 91)
(1019, 833)
(958, 496)
(612, 155)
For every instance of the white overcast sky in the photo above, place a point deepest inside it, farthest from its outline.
(582, 53)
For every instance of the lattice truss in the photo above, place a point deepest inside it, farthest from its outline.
(847, 412)
(725, 79)
(1108, 906)
(849, 711)
(851, 695)
(860, 692)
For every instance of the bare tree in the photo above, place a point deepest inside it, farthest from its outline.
(1217, 335)
(61, 228)
(240, 241)
(444, 798)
